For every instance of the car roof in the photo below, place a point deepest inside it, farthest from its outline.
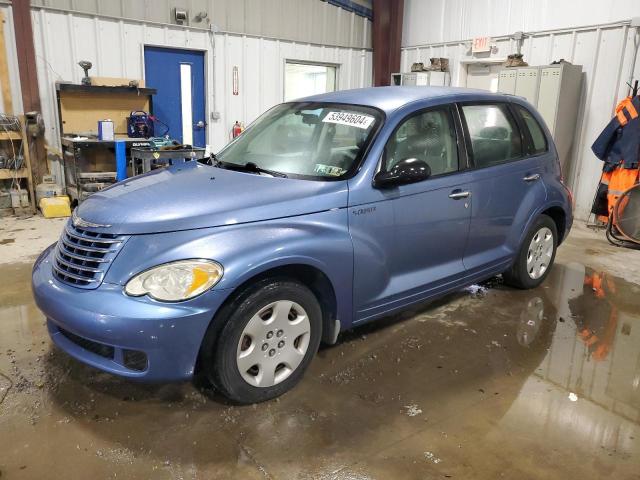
(389, 99)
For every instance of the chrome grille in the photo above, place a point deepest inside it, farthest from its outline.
(83, 256)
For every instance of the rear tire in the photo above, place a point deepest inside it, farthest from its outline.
(536, 255)
(270, 334)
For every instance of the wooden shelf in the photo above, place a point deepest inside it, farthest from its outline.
(10, 136)
(74, 87)
(25, 172)
(9, 173)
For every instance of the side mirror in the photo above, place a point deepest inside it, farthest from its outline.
(409, 170)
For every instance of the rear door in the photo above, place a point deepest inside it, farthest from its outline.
(507, 184)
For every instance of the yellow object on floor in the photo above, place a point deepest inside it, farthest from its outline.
(53, 207)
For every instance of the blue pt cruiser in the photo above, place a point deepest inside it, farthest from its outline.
(328, 212)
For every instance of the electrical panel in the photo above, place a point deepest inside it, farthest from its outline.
(555, 92)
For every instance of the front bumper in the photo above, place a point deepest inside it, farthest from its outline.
(102, 327)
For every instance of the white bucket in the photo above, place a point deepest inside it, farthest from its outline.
(24, 199)
(19, 198)
(15, 198)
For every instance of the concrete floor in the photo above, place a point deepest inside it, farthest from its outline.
(487, 383)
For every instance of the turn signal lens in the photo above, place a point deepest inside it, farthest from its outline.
(175, 281)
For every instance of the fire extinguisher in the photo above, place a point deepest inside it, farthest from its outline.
(237, 129)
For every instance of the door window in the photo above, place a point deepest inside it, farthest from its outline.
(429, 136)
(538, 138)
(493, 134)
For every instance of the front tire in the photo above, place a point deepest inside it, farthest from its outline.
(271, 332)
(536, 255)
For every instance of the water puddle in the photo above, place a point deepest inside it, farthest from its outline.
(487, 381)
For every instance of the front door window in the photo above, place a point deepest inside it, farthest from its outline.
(430, 137)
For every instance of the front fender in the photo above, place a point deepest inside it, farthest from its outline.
(320, 240)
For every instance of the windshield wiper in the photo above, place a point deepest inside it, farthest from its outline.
(252, 167)
(213, 160)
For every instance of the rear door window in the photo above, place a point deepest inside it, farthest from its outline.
(493, 134)
(538, 138)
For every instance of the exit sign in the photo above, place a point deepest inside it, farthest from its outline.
(481, 44)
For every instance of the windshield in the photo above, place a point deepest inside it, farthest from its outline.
(306, 140)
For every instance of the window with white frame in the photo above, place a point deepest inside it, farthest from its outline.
(304, 79)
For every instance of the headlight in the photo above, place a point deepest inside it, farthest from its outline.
(175, 281)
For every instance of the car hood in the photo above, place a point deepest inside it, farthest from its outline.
(192, 195)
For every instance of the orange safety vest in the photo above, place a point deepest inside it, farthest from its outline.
(618, 181)
(618, 146)
(626, 104)
(621, 180)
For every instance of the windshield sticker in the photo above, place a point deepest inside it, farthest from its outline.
(350, 119)
(329, 170)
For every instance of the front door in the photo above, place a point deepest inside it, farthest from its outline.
(178, 75)
(409, 245)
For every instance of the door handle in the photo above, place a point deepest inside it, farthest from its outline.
(458, 194)
(531, 178)
(200, 124)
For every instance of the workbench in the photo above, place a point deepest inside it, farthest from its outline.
(91, 164)
(144, 160)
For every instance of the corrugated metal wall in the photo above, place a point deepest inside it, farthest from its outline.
(261, 65)
(115, 46)
(605, 52)
(312, 21)
(435, 21)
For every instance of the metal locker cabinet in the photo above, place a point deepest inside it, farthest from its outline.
(549, 95)
(507, 81)
(527, 84)
(558, 101)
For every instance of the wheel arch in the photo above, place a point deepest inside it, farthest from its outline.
(559, 217)
(553, 210)
(308, 275)
(311, 277)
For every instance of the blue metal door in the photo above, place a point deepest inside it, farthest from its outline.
(178, 75)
